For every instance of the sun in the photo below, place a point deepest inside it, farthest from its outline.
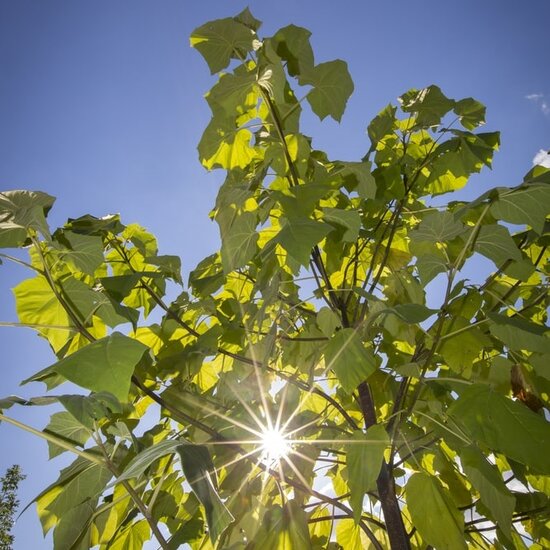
(275, 446)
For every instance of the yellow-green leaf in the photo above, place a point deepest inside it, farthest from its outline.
(434, 514)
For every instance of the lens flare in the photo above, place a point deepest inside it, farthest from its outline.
(275, 446)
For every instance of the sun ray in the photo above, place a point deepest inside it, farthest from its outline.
(246, 406)
(256, 371)
(236, 423)
(288, 460)
(311, 389)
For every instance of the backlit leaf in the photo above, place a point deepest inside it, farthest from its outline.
(443, 526)
(364, 459)
(346, 355)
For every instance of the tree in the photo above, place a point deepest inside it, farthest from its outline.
(8, 504)
(307, 396)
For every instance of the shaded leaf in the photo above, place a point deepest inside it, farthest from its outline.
(494, 242)
(489, 483)
(104, 365)
(65, 426)
(348, 219)
(470, 112)
(20, 211)
(145, 458)
(292, 45)
(299, 236)
(332, 87)
(199, 472)
(220, 40)
(519, 334)
(438, 227)
(504, 425)
(239, 238)
(528, 205)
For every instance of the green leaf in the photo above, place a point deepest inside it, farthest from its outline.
(132, 536)
(145, 458)
(224, 146)
(348, 219)
(65, 426)
(170, 266)
(460, 350)
(383, 124)
(11, 400)
(346, 355)
(332, 87)
(234, 94)
(519, 334)
(429, 266)
(350, 536)
(120, 286)
(438, 227)
(72, 529)
(504, 426)
(37, 304)
(489, 484)
(495, 243)
(470, 112)
(239, 238)
(80, 481)
(429, 104)
(328, 321)
(86, 409)
(86, 253)
(247, 19)
(359, 173)
(89, 302)
(220, 40)
(292, 45)
(443, 526)
(20, 211)
(104, 365)
(365, 453)
(527, 205)
(200, 474)
(299, 236)
(412, 313)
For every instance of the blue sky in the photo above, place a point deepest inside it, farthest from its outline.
(101, 105)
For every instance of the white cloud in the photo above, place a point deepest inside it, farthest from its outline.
(541, 101)
(542, 158)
